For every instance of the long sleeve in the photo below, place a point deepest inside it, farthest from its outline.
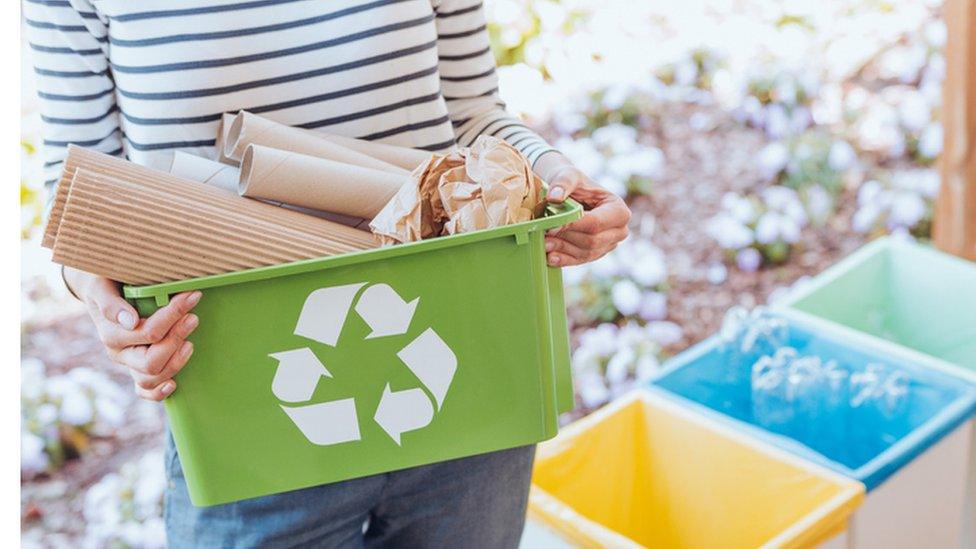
(469, 81)
(68, 43)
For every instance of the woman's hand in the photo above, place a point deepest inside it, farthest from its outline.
(603, 226)
(153, 349)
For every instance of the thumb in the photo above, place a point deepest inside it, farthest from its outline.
(104, 295)
(563, 184)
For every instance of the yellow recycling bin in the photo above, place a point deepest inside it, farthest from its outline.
(644, 471)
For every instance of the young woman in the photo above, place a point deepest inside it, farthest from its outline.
(144, 79)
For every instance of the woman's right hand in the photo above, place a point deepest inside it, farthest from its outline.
(153, 349)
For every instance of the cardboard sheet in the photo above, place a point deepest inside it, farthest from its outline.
(317, 183)
(141, 226)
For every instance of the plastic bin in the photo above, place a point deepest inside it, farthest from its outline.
(644, 471)
(908, 295)
(341, 367)
(902, 292)
(913, 462)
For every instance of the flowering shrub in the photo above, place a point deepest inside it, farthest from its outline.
(610, 359)
(757, 230)
(629, 282)
(124, 509)
(897, 202)
(60, 414)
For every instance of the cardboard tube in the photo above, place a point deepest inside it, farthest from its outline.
(249, 129)
(205, 170)
(403, 157)
(317, 183)
(223, 127)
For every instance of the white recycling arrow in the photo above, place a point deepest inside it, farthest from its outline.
(325, 312)
(432, 361)
(384, 311)
(402, 411)
(327, 422)
(297, 375)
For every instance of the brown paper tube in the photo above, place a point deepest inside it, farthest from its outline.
(223, 128)
(317, 183)
(258, 213)
(249, 129)
(403, 157)
(204, 170)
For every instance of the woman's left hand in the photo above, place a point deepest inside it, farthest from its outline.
(604, 223)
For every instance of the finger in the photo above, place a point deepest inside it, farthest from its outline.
(600, 240)
(154, 329)
(159, 353)
(556, 259)
(170, 368)
(559, 246)
(104, 295)
(563, 185)
(158, 393)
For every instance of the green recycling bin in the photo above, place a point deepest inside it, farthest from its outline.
(345, 366)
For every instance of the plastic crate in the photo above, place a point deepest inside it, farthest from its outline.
(643, 471)
(346, 366)
(912, 462)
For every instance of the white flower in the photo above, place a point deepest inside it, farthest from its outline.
(614, 185)
(33, 458)
(729, 232)
(649, 269)
(739, 207)
(619, 138)
(717, 273)
(626, 297)
(819, 203)
(865, 217)
(778, 122)
(772, 159)
(768, 227)
(664, 333)
(592, 389)
(647, 365)
(619, 366)
(644, 162)
(841, 156)
(583, 154)
(868, 192)
(907, 209)
(76, 409)
(930, 142)
(914, 111)
(748, 260)
(654, 306)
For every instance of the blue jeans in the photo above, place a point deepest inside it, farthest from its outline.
(471, 502)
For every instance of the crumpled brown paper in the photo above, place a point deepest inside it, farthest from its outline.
(487, 185)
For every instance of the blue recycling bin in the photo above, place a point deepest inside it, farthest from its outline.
(866, 443)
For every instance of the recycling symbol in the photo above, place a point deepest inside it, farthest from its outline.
(387, 314)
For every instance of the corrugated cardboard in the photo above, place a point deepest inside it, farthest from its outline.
(317, 183)
(250, 129)
(138, 234)
(204, 170)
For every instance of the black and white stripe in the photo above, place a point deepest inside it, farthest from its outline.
(146, 78)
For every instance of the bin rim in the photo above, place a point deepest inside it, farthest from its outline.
(879, 468)
(850, 494)
(556, 215)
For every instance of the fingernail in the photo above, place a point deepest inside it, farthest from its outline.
(167, 388)
(194, 298)
(550, 245)
(557, 193)
(126, 320)
(554, 260)
(187, 349)
(191, 322)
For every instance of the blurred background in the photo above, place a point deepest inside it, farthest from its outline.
(756, 142)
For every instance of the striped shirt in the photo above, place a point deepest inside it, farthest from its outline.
(146, 78)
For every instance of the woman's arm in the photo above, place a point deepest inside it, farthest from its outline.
(68, 43)
(470, 87)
